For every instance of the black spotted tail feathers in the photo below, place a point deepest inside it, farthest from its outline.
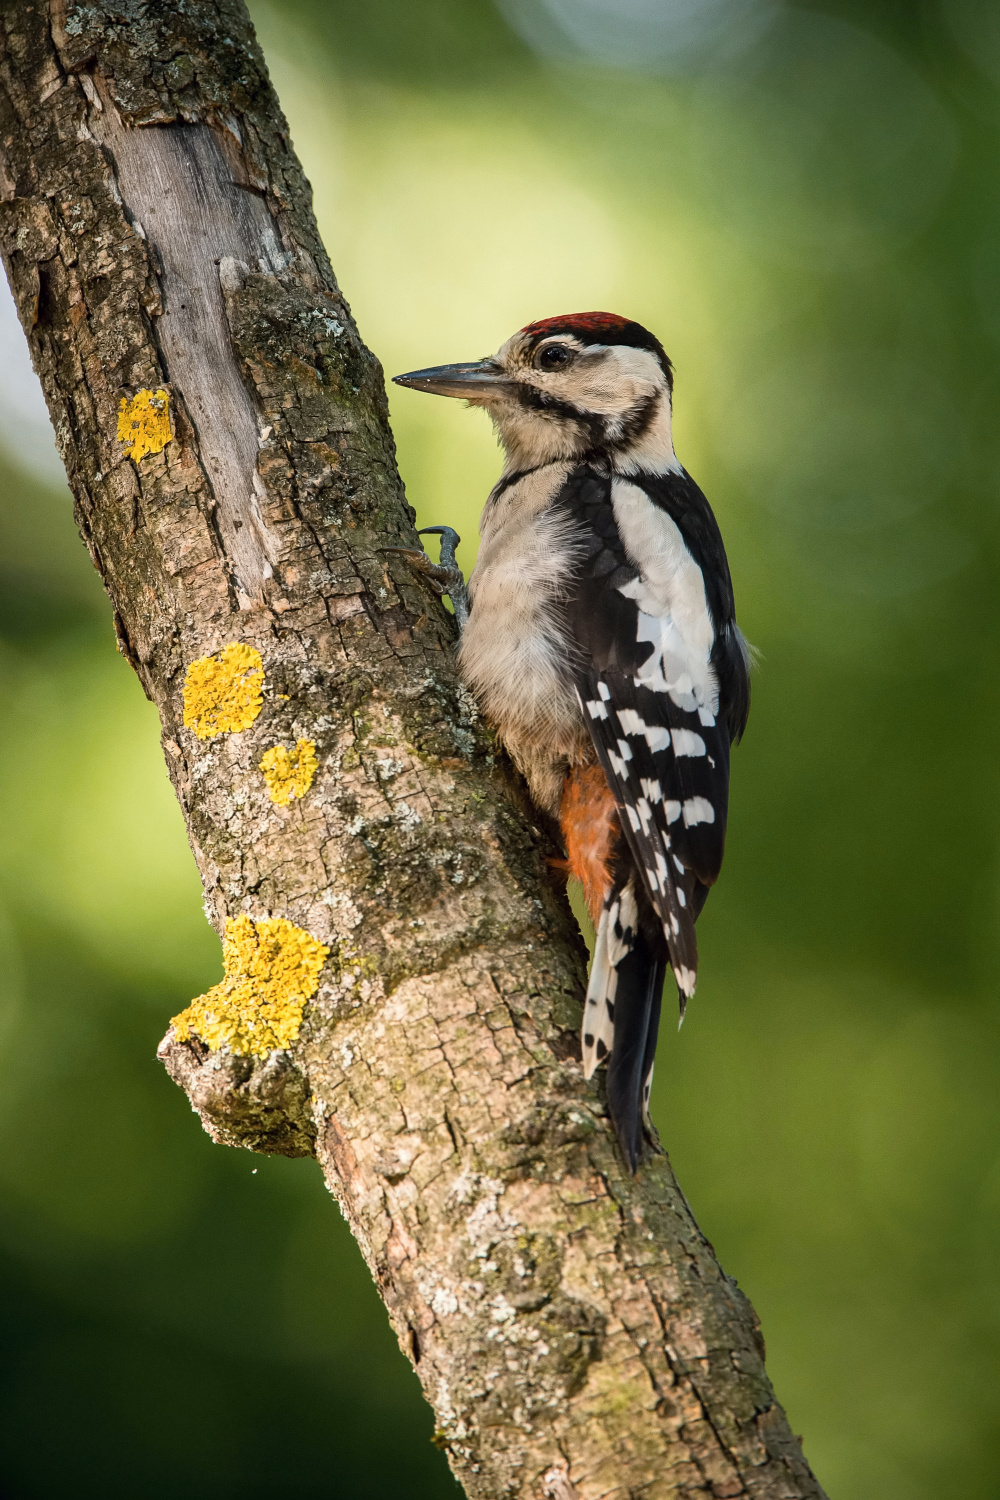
(622, 1011)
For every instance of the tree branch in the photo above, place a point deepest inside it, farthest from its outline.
(570, 1325)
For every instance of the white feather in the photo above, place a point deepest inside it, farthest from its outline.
(670, 593)
(514, 649)
(615, 934)
(646, 1088)
(597, 1022)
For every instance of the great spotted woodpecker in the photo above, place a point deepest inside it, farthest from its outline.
(602, 642)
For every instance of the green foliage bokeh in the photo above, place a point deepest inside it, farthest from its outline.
(810, 225)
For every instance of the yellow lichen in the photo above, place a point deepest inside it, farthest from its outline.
(144, 423)
(289, 773)
(222, 693)
(272, 968)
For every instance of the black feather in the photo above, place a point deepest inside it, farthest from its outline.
(637, 1018)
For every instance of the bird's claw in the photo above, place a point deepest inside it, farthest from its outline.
(439, 577)
(444, 577)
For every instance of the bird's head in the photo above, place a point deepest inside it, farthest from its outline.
(567, 386)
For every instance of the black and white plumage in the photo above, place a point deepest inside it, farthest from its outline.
(602, 639)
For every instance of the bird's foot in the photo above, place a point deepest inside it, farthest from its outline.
(445, 577)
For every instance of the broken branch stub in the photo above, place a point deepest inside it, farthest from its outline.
(403, 982)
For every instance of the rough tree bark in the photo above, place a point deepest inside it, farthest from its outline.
(571, 1327)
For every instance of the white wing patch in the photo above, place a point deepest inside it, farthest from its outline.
(618, 761)
(686, 742)
(686, 980)
(668, 668)
(656, 736)
(673, 612)
(698, 810)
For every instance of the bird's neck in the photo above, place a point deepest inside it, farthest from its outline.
(652, 450)
(530, 441)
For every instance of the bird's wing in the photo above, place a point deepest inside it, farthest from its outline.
(650, 695)
(669, 772)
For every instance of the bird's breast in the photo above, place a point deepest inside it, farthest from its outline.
(515, 653)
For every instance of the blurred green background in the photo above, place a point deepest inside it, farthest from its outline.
(802, 202)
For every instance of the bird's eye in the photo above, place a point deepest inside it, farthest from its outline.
(554, 357)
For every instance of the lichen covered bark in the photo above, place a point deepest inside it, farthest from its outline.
(570, 1325)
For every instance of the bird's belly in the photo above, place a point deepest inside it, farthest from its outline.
(516, 654)
(515, 658)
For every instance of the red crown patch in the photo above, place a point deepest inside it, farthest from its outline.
(587, 324)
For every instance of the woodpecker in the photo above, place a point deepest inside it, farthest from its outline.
(602, 643)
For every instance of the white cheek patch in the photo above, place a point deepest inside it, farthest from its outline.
(610, 379)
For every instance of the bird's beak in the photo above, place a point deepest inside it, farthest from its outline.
(482, 380)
